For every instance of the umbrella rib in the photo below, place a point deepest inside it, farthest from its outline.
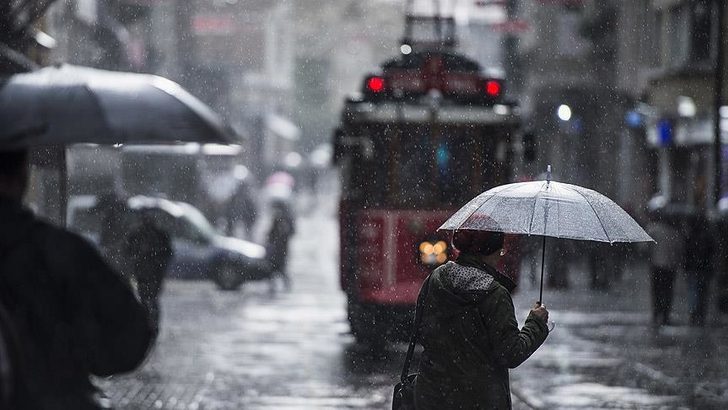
(595, 213)
(474, 210)
(558, 218)
(533, 213)
(479, 206)
(190, 102)
(102, 113)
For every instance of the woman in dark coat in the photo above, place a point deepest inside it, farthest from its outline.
(469, 330)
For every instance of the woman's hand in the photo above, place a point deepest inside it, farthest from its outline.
(539, 310)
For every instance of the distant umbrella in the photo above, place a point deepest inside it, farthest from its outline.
(548, 208)
(67, 104)
(279, 185)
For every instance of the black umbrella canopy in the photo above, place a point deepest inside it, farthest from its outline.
(65, 104)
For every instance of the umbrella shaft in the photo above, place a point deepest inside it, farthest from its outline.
(543, 263)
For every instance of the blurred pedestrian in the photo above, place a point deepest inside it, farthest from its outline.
(557, 264)
(698, 264)
(73, 314)
(148, 250)
(469, 330)
(721, 300)
(606, 263)
(113, 227)
(665, 258)
(281, 229)
(242, 208)
(601, 265)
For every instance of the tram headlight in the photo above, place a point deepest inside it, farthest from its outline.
(433, 253)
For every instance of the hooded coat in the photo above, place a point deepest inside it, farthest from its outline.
(74, 316)
(471, 338)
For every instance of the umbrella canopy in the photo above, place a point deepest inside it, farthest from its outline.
(548, 209)
(279, 185)
(67, 104)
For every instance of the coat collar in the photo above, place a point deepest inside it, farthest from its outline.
(466, 259)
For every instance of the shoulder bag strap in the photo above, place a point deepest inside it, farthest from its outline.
(416, 329)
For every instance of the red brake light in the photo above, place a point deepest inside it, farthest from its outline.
(493, 88)
(375, 84)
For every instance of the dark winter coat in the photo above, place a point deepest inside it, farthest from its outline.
(242, 206)
(471, 338)
(281, 230)
(149, 250)
(699, 248)
(74, 316)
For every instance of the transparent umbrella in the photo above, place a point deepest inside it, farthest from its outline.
(548, 208)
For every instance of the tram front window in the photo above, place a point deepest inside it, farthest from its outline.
(415, 167)
(435, 171)
(414, 172)
(455, 160)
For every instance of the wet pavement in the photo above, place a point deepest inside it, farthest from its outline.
(605, 354)
(254, 349)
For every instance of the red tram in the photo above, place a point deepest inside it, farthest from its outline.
(427, 134)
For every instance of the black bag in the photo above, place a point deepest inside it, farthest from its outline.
(404, 391)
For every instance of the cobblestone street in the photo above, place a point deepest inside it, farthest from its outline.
(253, 349)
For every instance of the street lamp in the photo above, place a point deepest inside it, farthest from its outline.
(686, 107)
(564, 112)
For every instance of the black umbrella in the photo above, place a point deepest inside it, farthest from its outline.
(65, 104)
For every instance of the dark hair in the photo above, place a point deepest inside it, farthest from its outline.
(477, 242)
(12, 163)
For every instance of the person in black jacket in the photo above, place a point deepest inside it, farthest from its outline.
(148, 250)
(281, 229)
(698, 264)
(74, 316)
(469, 330)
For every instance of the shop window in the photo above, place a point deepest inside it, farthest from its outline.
(570, 42)
(678, 36)
(689, 31)
(702, 30)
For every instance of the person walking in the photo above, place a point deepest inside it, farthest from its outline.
(698, 264)
(74, 316)
(113, 210)
(281, 230)
(469, 330)
(241, 207)
(148, 249)
(666, 254)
